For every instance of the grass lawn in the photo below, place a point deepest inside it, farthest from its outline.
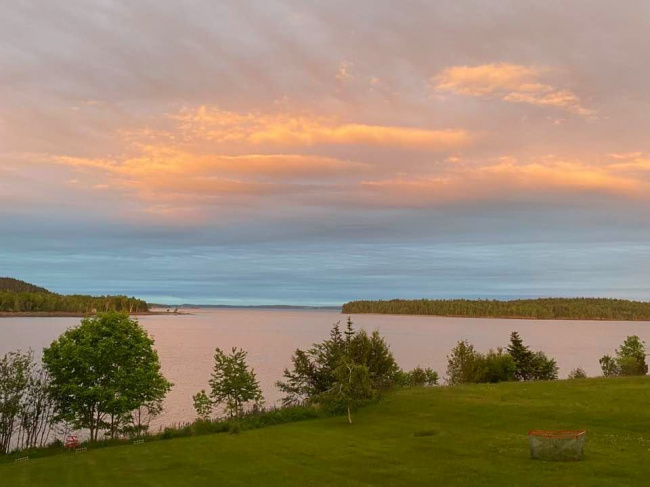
(476, 435)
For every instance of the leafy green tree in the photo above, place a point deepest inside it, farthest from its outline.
(544, 368)
(498, 366)
(630, 359)
(418, 377)
(37, 409)
(15, 368)
(232, 385)
(353, 386)
(314, 370)
(609, 366)
(102, 371)
(464, 364)
(202, 405)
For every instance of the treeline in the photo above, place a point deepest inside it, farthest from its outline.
(57, 303)
(18, 296)
(18, 286)
(543, 309)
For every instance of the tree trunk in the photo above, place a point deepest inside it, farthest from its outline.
(349, 415)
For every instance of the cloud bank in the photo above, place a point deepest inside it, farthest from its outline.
(322, 151)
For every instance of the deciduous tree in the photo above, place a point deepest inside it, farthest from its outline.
(233, 385)
(102, 371)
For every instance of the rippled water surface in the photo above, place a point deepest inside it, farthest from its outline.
(186, 342)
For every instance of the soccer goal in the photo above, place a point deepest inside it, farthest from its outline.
(562, 446)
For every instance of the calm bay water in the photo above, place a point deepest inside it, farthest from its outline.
(186, 343)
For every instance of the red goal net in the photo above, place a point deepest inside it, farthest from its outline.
(557, 445)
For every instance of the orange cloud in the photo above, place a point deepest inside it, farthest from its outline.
(258, 129)
(154, 162)
(630, 161)
(501, 179)
(509, 82)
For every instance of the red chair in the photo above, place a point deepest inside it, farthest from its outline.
(71, 442)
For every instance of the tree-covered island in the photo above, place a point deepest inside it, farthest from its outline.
(538, 309)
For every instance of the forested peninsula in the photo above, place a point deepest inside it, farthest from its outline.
(19, 297)
(540, 309)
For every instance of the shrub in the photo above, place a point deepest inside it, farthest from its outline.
(416, 377)
(577, 373)
(57, 443)
(629, 359)
(204, 427)
(466, 365)
(235, 428)
(544, 368)
(497, 367)
(608, 366)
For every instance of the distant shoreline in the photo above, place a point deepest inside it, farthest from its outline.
(496, 317)
(562, 309)
(64, 314)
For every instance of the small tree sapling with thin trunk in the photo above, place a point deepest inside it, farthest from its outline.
(233, 385)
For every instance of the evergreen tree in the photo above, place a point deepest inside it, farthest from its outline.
(314, 370)
(522, 356)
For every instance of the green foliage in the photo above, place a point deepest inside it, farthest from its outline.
(14, 380)
(547, 308)
(314, 370)
(20, 296)
(102, 371)
(530, 365)
(18, 286)
(202, 405)
(235, 428)
(25, 406)
(609, 366)
(577, 373)
(352, 387)
(497, 366)
(522, 357)
(630, 359)
(466, 365)
(29, 302)
(232, 385)
(544, 368)
(418, 377)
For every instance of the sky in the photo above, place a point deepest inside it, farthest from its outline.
(320, 151)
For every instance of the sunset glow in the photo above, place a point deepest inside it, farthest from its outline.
(307, 141)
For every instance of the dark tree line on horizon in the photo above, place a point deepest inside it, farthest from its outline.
(18, 296)
(544, 308)
(57, 303)
(18, 286)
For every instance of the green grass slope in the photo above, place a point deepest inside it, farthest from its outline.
(476, 435)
